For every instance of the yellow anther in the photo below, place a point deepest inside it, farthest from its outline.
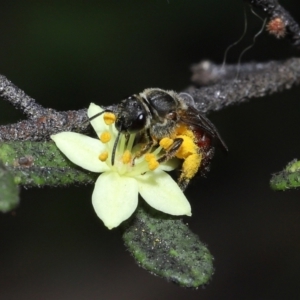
(191, 165)
(126, 157)
(109, 118)
(149, 156)
(153, 164)
(103, 156)
(166, 142)
(187, 147)
(105, 137)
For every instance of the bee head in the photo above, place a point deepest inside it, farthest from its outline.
(131, 115)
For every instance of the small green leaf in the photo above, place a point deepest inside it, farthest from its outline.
(166, 247)
(288, 178)
(41, 163)
(9, 191)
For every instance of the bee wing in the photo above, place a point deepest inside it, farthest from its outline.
(193, 117)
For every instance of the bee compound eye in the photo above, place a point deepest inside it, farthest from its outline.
(138, 124)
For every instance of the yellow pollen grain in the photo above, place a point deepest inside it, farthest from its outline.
(153, 164)
(103, 156)
(105, 137)
(166, 142)
(191, 165)
(149, 156)
(109, 118)
(126, 157)
(183, 130)
(187, 148)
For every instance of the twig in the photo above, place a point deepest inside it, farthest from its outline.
(42, 122)
(254, 81)
(207, 73)
(276, 12)
(17, 97)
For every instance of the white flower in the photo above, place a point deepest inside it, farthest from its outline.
(115, 196)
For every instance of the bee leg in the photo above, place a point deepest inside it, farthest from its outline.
(183, 183)
(190, 166)
(183, 179)
(171, 151)
(143, 150)
(150, 142)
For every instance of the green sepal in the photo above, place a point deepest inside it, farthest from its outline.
(41, 163)
(166, 247)
(9, 191)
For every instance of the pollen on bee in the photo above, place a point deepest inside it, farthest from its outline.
(187, 148)
(105, 137)
(126, 157)
(109, 118)
(166, 142)
(103, 156)
(184, 130)
(191, 165)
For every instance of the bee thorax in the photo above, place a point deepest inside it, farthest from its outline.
(161, 130)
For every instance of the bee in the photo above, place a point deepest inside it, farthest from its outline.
(172, 121)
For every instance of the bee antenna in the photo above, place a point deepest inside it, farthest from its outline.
(93, 117)
(114, 149)
(97, 115)
(108, 109)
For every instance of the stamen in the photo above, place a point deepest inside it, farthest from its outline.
(147, 162)
(149, 156)
(131, 141)
(103, 156)
(153, 164)
(157, 151)
(121, 145)
(109, 118)
(126, 157)
(105, 137)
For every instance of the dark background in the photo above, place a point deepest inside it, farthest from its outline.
(67, 54)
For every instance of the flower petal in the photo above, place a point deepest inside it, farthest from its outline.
(81, 150)
(98, 123)
(115, 198)
(170, 165)
(161, 192)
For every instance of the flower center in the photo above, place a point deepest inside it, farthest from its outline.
(129, 157)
